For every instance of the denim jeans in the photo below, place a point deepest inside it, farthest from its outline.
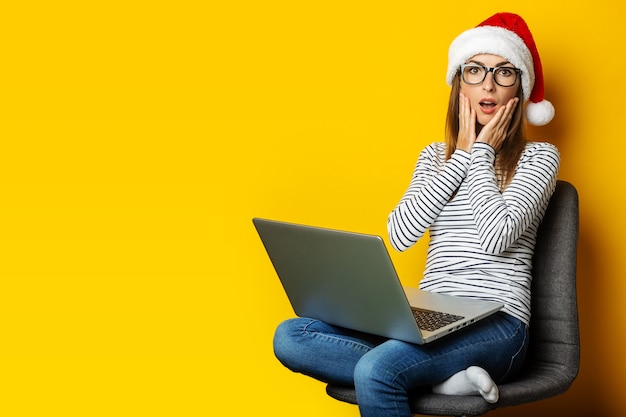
(384, 371)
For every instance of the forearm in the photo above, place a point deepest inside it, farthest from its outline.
(430, 190)
(502, 217)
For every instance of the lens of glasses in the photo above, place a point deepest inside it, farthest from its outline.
(475, 74)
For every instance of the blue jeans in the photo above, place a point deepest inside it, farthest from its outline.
(384, 371)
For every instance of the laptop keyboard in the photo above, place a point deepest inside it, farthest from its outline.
(433, 320)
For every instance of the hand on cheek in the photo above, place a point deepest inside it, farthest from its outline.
(494, 133)
(467, 125)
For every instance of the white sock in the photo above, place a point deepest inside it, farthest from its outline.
(472, 381)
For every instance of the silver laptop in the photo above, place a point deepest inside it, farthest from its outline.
(347, 279)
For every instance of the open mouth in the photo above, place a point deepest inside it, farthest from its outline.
(487, 106)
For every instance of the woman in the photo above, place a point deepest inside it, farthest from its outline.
(481, 195)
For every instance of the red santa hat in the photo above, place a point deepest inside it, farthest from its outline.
(506, 35)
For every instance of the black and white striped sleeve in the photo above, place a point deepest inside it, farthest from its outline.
(502, 217)
(433, 184)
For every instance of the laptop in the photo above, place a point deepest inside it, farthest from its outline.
(347, 279)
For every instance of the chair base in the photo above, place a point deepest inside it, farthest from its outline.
(427, 403)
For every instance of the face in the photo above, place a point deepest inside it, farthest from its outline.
(488, 97)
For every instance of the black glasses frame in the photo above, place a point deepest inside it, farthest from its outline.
(491, 70)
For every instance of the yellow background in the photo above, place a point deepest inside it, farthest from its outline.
(138, 139)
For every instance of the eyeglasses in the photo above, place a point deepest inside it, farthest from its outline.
(475, 74)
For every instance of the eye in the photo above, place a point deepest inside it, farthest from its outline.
(506, 72)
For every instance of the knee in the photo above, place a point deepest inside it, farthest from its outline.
(370, 370)
(385, 368)
(376, 387)
(284, 345)
(291, 340)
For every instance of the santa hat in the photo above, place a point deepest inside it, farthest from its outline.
(506, 35)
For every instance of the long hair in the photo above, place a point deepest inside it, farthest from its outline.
(509, 154)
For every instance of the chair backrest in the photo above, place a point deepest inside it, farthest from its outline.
(554, 335)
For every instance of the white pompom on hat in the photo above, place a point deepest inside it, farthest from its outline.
(506, 35)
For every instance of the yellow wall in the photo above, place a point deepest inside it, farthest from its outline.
(140, 138)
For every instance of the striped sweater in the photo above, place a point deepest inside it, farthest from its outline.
(481, 239)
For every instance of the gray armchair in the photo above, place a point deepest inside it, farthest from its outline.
(554, 352)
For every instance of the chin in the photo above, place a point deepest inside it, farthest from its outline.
(484, 119)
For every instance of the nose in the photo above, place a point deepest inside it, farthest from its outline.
(488, 82)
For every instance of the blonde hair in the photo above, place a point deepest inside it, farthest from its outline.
(509, 154)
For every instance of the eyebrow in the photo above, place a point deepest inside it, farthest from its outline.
(495, 66)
